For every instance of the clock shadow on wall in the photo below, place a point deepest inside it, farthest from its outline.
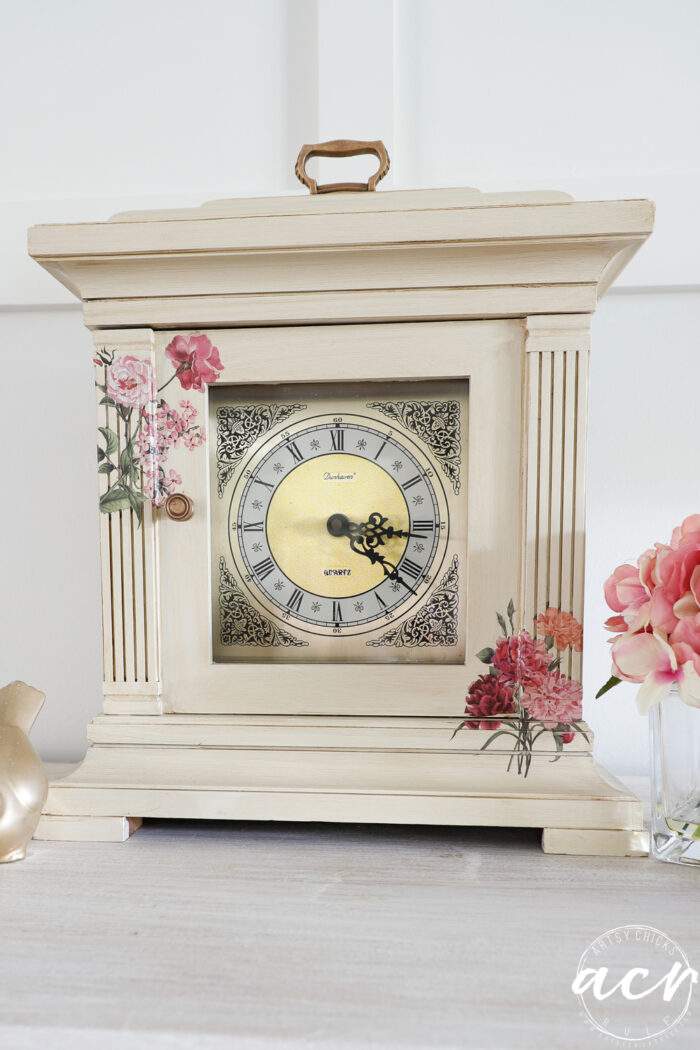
(338, 522)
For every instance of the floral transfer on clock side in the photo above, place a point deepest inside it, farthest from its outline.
(524, 694)
(437, 424)
(134, 455)
(240, 623)
(435, 623)
(238, 427)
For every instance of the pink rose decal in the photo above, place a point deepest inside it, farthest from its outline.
(197, 361)
(657, 619)
(130, 381)
(141, 427)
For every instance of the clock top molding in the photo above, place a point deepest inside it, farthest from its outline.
(438, 254)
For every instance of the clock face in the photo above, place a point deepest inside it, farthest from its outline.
(332, 528)
(338, 523)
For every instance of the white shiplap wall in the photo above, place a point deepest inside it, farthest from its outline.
(166, 103)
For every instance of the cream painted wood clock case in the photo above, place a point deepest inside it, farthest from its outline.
(341, 458)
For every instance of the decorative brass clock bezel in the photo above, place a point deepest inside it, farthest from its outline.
(410, 588)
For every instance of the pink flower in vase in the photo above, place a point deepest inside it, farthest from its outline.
(675, 602)
(553, 698)
(657, 625)
(648, 658)
(490, 695)
(197, 361)
(130, 381)
(520, 656)
(629, 597)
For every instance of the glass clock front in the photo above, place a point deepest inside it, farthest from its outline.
(338, 522)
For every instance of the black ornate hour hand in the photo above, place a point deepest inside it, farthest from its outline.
(364, 539)
(374, 531)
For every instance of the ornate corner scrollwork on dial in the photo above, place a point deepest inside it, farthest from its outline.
(436, 621)
(436, 423)
(238, 427)
(240, 623)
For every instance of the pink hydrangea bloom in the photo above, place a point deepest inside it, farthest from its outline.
(553, 698)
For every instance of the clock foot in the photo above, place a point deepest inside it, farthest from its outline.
(86, 829)
(587, 842)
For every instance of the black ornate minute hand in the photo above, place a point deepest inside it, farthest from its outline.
(365, 537)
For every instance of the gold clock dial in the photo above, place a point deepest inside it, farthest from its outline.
(333, 531)
(337, 523)
(297, 523)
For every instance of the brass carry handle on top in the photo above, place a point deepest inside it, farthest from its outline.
(342, 148)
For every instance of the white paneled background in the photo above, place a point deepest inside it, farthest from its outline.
(116, 104)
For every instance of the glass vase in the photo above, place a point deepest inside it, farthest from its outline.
(675, 780)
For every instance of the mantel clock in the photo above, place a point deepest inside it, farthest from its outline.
(341, 463)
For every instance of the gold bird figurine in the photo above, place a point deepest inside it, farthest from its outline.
(23, 781)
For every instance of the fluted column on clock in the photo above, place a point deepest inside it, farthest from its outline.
(125, 386)
(554, 463)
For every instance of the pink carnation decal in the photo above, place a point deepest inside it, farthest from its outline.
(553, 699)
(488, 697)
(519, 657)
(563, 628)
(526, 696)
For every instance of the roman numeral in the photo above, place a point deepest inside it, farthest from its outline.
(338, 440)
(264, 568)
(423, 526)
(337, 613)
(410, 568)
(380, 450)
(265, 483)
(252, 526)
(295, 601)
(296, 454)
(410, 482)
(380, 599)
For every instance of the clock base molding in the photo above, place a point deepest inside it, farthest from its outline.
(423, 779)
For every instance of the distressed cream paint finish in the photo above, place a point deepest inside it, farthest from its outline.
(335, 290)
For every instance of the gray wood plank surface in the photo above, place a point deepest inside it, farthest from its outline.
(256, 935)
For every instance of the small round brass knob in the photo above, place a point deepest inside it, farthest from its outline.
(179, 507)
